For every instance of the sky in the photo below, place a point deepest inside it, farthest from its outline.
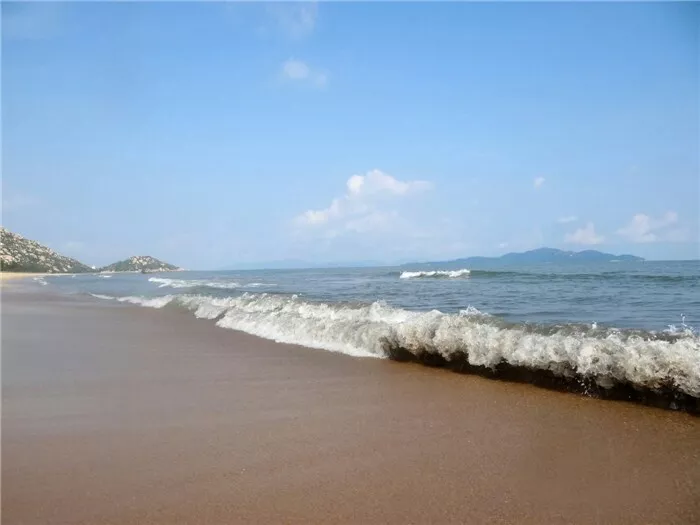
(213, 134)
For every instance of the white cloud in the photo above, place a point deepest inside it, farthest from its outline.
(585, 235)
(503, 245)
(296, 19)
(299, 71)
(567, 219)
(643, 228)
(359, 210)
(376, 181)
(539, 181)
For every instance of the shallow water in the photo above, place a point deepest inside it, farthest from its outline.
(607, 325)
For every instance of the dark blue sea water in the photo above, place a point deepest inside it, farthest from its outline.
(616, 323)
(645, 295)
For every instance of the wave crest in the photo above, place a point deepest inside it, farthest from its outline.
(436, 274)
(606, 357)
(192, 283)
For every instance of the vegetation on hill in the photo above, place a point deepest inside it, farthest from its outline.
(18, 254)
(140, 263)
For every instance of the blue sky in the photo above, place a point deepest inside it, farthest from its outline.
(208, 134)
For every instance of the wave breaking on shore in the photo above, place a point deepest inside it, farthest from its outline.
(661, 368)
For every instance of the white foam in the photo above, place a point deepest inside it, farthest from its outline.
(150, 302)
(449, 274)
(105, 297)
(40, 280)
(184, 283)
(104, 276)
(610, 358)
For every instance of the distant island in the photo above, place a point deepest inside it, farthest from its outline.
(538, 256)
(140, 263)
(18, 254)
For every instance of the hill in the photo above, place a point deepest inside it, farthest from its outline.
(538, 256)
(18, 254)
(140, 263)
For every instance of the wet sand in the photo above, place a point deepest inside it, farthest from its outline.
(13, 276)
(127, 415)
(8, 277)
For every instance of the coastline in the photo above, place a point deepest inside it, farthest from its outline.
(8, 278)
(120, 414)
(13, 276)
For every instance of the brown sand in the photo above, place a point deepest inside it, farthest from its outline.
(13, 276)
(6, 277)
(126, 415)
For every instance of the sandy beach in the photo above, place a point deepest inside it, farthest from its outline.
(10, 277)
(13, 276)
(116, 414)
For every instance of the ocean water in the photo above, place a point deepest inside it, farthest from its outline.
(602, 325)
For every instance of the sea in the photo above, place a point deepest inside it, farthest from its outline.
(605, 326)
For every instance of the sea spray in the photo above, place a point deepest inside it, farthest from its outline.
(605, 358)
(436, 274)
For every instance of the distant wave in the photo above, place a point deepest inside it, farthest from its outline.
(183, 283)
(105, 276)
(436, 274)
(40, 280)
(100, 296)
(611, 275)
(195, 283)
(583, 357)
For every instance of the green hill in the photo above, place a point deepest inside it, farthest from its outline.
(140, 263)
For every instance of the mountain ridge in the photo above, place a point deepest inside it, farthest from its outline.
(536, 256)
(19, 254)
(140, 263)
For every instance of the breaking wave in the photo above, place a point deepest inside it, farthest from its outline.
(439, 274)
(549, 276)
(583, 357)
(100, 296)
(184, 283)
(195, 283)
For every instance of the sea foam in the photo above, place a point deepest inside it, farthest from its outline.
(184, 283)
(607, 357)
(436, 274)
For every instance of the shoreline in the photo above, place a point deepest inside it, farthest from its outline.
(14, 276)
(7, 277)
(119, 414)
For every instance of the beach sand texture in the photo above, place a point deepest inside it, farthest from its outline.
(116, 414)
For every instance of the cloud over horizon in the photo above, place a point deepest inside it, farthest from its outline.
(585, 235)
(645, 229)
(360, 209)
